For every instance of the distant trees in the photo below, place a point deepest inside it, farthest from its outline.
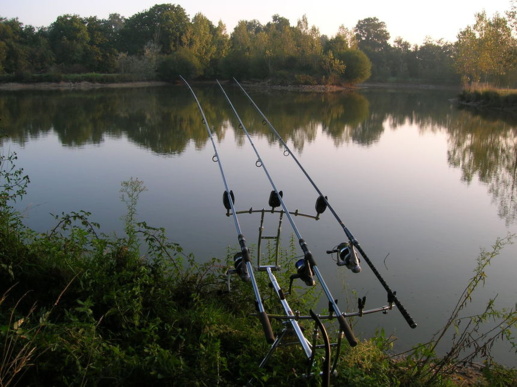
(23, 49)
(162, 26)
(373, 39)
(163, 42)
(487, 51)
(70, 41)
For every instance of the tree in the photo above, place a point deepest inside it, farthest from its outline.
(164, 25)
(344, 40)
(222, 45)
(512, 16)
(310, 49)
(372, 35)
(13, 51)
(372, 38)
(333, 68)
(182, 62)
(250, 54)
(237, 62)
(101, 54)
(69, 40)
(39, 54)
(23, 49)
(357, 66)
(435, 61)
(281, 43)
(207, 42)
(337, 44)
(485, 51)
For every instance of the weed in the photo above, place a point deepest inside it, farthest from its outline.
(472, 336)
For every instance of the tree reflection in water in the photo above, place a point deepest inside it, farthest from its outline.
(165, 120)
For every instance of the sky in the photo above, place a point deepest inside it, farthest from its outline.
(412, 20)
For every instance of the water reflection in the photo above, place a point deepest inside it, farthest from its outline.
(487, 149)
(166, 120)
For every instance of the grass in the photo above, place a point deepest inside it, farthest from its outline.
(489, 97)
(81, 308)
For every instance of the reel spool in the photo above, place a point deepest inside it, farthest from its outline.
(347, 256)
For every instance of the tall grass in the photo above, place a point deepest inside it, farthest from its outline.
(484, 97)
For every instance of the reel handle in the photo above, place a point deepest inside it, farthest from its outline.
(266, 326)
(348, 331)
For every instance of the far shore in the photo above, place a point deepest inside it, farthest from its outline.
(14, 86)
(77, 85)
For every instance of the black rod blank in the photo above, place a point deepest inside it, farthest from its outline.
(353, 241)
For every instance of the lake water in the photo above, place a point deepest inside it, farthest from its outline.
(422, 185)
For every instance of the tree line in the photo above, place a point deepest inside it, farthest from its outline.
(163, 42)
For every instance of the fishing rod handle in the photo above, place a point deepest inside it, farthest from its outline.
(348, 331)
(266, 326)
(404, 312)
(391, 294)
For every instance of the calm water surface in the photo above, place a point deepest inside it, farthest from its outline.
(422, 185)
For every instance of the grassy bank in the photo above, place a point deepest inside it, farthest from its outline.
(81, 308)
(488, 98)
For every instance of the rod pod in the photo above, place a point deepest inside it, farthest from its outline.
(391, 294)
(228, 200)
(310, 263)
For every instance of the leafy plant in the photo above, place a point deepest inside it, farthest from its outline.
(471, 336)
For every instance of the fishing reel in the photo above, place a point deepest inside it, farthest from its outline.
(346, 255)
(304, 272)
(240, 267)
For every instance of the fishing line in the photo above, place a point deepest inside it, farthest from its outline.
(324, 201)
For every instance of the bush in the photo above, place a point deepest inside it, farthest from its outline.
(358, 67)
(182, 62)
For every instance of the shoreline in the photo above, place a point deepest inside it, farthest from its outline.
(84, 85)
(14, 86)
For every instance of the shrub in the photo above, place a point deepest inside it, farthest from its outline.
(182, 62)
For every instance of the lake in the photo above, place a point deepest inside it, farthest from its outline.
(421, 184)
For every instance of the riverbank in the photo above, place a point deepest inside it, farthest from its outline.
(86, 85)
(489, 99)
(13, 86)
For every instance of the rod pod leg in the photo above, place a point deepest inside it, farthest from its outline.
(325, 373)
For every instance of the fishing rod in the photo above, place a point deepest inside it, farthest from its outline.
(324, 203)
(243, 263)
(307, 266)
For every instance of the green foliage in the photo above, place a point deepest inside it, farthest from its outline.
(79, 308)
(164, 25)
(367, 364)
(483, 52)
(183, 62)
(490, 98)
(498, 376)
(471, 336)
(357, 66)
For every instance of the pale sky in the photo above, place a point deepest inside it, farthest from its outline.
(412, 20)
